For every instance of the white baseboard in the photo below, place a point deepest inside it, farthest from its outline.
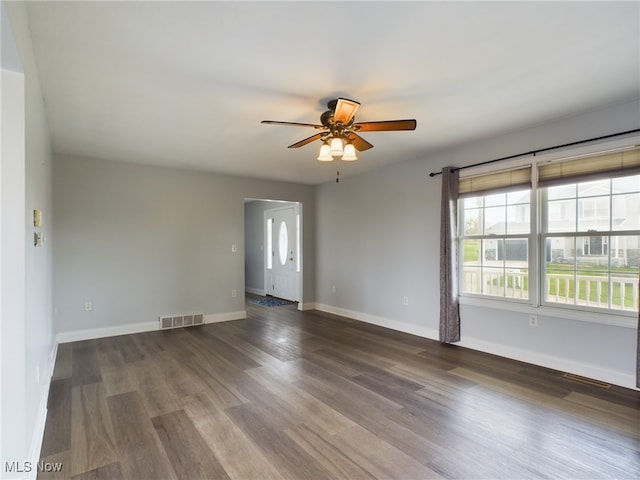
(551, 361)
(255, 291)
(225, 317)
(77, 335)
(380, 321)
(307, 306)
(41, 416)
(91, 333)
(544, 360)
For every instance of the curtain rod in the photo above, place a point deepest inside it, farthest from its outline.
(534, 152)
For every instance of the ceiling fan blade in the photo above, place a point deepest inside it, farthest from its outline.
(275, 122)
(345, 110)
(310, 139)
(385, 126)
(360, 143)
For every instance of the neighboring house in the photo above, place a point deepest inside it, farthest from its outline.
(592, 212)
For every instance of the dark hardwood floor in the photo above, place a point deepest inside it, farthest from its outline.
(306, 395)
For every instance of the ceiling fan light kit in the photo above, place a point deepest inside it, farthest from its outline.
(349, 154)
(338, 130)
(335, 148)
(325, 153)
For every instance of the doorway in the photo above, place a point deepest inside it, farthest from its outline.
(274, 249)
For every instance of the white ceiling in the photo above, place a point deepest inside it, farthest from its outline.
(186, 84)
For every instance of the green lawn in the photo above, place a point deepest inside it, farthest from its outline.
(471, 251)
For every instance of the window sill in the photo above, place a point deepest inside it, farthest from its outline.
(625, 320)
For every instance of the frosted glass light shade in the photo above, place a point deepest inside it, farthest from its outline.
(349, 153)
(336, 147)
(324, 155)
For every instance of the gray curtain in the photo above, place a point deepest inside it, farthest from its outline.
(449, 311)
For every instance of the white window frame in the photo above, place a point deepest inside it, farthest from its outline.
(484, 237)
(534, 305)
(584, 242)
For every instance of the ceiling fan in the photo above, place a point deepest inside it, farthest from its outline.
(339, 130)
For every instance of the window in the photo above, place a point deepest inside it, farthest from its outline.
(495, 244)
(298, 244)
(570, 239)
(591, 255)
(283, 242)
(269, 243)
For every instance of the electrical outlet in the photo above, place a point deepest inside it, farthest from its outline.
(333, 289)
(533, 320)
(405, 300)
(88, 306)
(234, 293)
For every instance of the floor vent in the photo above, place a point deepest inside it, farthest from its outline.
(585, 380)
(176, 321)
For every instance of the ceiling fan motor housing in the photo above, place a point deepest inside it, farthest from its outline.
(327, 118)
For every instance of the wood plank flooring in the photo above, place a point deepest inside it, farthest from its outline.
(307, 395)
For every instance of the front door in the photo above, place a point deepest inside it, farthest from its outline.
(282, 277)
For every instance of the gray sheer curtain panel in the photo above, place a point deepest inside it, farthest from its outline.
(449, 309)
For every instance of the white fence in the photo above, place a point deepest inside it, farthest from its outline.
(593, 291)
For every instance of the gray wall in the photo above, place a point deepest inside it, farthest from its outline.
(378, 240)
(27, 332)
(139, 242)
(375, 243)
(254, 247)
